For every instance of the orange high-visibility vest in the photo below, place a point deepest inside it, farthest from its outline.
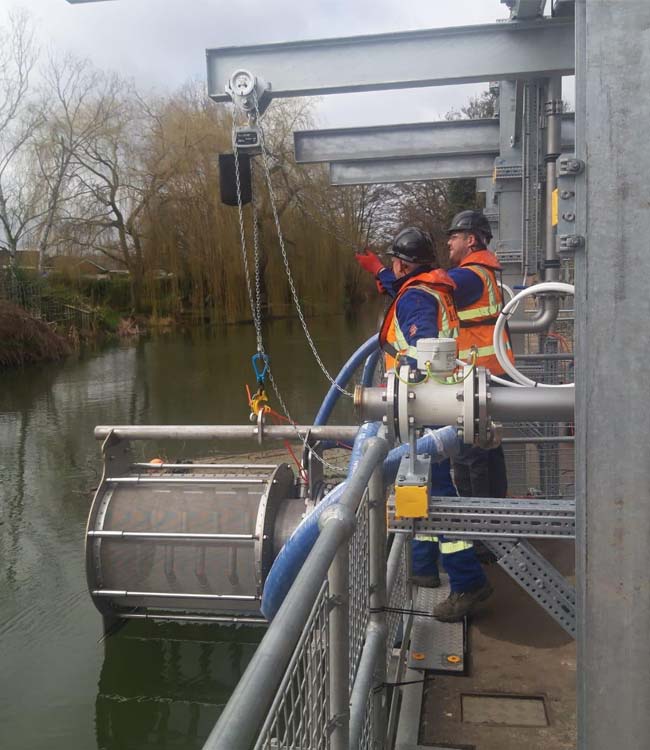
(438, 284)
(477, 320)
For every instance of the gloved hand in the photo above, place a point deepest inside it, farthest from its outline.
(369, 261)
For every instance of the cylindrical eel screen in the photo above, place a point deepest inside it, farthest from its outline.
(195, 547)
(532, 404)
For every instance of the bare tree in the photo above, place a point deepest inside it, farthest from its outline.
(76, 104)
(18, 122)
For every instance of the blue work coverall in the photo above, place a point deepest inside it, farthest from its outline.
(417, 315)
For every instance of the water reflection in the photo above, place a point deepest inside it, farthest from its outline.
(164, 686)
(50, 632)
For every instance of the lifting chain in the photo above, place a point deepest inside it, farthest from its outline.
(259, 401)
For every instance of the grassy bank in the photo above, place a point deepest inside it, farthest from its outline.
(24, 340)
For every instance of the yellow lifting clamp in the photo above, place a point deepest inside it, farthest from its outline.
(259, 404)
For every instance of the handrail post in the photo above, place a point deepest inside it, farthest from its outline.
(378, 599)
(339, 655)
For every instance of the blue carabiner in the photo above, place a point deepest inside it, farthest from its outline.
(255, 359)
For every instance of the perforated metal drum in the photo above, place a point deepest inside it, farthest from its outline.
(186, 538)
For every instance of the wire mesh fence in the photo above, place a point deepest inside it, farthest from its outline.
(398, 598)
(29, 295)
(299, 716)
(544, 467)
(359, 586)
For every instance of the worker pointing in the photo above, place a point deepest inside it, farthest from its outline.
(423, 307)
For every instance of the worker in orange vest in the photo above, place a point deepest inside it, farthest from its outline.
(478, 297)
(423, 307)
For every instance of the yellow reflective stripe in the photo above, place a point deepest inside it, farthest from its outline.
(487, 279)
(448, 548)
(403, 346)
(425, 538)
(446, 331)
(478, 312)
(493, 306)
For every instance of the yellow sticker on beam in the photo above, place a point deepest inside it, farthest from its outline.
(411, 501)
(554, 207)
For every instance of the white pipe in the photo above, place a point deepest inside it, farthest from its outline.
(499, 344)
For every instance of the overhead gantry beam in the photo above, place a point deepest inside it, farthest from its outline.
(444, 167)
(448, 138)
(433, 57)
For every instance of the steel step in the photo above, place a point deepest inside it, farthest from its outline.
(436, 646)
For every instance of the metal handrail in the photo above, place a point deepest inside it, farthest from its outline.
(245, 712)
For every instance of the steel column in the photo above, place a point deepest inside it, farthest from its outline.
(613, 336)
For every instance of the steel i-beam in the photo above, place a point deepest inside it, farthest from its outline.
(433, 57)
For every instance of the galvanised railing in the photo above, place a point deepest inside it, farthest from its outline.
(318, 678)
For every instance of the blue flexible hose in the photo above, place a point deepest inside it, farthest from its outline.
(440, 444)
(343, 377)
(370, 367)
(294, 553)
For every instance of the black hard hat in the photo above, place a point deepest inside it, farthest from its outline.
(413, 245)
(471, 221)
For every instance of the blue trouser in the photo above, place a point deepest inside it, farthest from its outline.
(458, 557)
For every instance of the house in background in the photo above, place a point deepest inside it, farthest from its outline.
(74, 266)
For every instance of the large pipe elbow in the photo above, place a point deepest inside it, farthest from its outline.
(541, 322)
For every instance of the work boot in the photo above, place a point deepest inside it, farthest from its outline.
(427, 582)
(461, 603)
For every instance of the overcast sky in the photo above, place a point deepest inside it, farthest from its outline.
(162, 43)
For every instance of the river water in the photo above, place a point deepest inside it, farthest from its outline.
(63, 686)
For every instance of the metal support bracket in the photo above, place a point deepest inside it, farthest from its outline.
(334, 601)
(488, 518)
(535, 574)
(567, 239)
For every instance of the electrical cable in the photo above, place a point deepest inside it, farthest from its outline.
(499, 346)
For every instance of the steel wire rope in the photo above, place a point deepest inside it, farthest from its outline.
(255, 301)
(285, 258)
